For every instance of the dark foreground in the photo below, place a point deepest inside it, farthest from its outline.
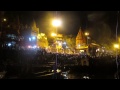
(40, 65)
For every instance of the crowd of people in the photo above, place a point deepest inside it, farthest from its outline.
(20, 62)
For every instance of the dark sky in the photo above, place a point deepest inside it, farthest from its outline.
(71, 20)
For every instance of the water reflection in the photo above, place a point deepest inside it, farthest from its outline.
(78, 73)
(86, 77)
(65, 75)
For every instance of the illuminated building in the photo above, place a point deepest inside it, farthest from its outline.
(80, 40)
(42, 40)
(59, 40)
(57, 43)
(29, 33)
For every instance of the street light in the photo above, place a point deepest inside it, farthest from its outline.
(4, 19)
(56, 23)
(116, 46)
(87, 34)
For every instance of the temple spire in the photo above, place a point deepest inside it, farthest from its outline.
(34, 23)
(80, 38)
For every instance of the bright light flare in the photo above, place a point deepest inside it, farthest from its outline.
(42, 34)
(53, 34)
(79, 45)
(86, 34)
(33, 38)
(9, 44)
(4, 19)
(29, 39)
(56, 22)
(59, 43)
(116, 46)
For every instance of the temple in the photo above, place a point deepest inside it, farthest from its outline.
(80, 40)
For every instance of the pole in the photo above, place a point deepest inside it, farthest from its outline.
(55, 70)
(56, 44)
(56, 40)
(87, 45)
(56, 34)
(117, 25)
(117, 66)
(57, 50)
(116, 48)
(87, 40)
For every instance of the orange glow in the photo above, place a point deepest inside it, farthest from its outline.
(56, 22)
(86, 34)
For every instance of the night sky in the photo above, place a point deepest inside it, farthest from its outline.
(71, 20)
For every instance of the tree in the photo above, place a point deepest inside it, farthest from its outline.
(70, 41)
(42, 40)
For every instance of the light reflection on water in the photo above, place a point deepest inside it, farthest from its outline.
(78, 76)
(87, 76)
(86, 73)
